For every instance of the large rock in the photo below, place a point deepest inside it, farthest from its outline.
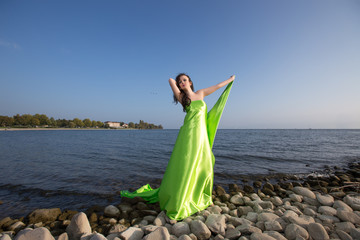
(355, 233)
(5, 237)
(273, 226)
(304, 192)
(132, 233)
(327, 210)
(340, 204)
(328, 219)
(239, 221)
(44, 215)
(295, 197)
(293, 230)
(302, 220)
(353, 202)
(180, 228)
(232, 234)
(325, 200)
(343, 235)
(159, 233)
(344, 226)
(276, 201)
(200, 230)
(317, 231)
(216, 223)
(111, 211)
(237, 199)
(36, 234)
(348, 216)
(289, 213)
(78, 226)
(267, 217)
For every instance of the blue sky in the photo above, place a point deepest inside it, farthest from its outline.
(296, 62)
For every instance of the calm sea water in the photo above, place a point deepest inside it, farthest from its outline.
(78, 169)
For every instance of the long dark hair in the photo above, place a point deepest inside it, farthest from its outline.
(185, 100)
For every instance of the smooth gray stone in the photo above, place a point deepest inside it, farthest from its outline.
(78, 226)
(355, 233)
(325, 200)
(159, 233)
(111, 211)
(317, 231)
(273, 226)
(36, 234)
(344, 226)
(267, 217)
(343, 235)
(232, 234)
(180, 228)
(340, 204)
(326, 210)
(293, 230)
(200, 230)
(348, 216)
(132, 233)
(304, 192)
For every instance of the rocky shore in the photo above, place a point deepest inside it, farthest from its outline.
(317, 208)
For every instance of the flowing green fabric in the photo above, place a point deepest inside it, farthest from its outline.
(187, 185)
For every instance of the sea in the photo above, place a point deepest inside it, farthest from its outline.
(77, 169)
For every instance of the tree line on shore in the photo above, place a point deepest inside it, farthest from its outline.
(41, 120)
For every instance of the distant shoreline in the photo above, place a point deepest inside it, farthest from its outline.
(23, 129)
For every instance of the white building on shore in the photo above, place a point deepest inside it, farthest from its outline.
(116, 124)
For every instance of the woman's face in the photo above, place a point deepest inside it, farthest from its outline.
(184, 82)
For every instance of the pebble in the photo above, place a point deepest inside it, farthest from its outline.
(348, 216)
(36, 234)
(304, 192)
(216, 223)
(132, 233)
(180, 228)
(325, 200)
(317, 231)
(78, 226)
(327, 210)
(159, 233)
(293, 230)
(200, 230)
(111, 211)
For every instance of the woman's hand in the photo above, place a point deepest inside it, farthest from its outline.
(232, 77)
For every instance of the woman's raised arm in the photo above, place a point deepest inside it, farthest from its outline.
(174, 88)
(207, 91)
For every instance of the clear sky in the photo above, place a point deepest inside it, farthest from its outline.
(297, 63)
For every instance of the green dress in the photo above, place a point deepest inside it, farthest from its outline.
(187, 185)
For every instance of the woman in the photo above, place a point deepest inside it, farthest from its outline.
(186, 187)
